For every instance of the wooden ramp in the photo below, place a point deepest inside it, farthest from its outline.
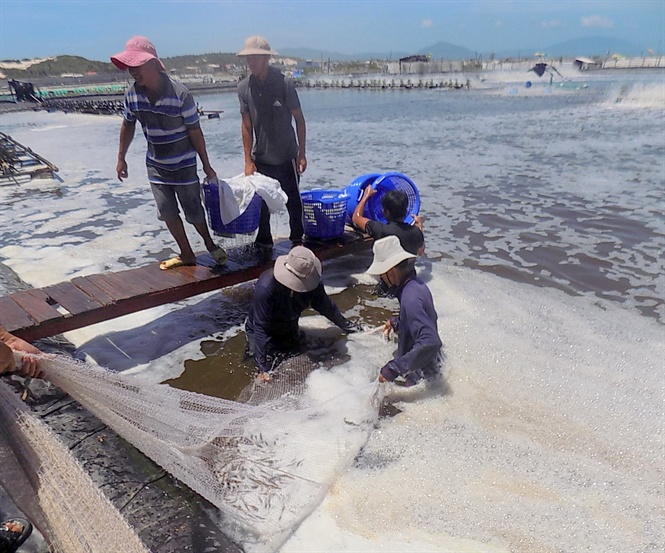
(42, 312)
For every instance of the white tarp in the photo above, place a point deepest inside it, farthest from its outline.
(236, 193)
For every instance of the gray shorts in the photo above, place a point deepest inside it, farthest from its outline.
(168, 196)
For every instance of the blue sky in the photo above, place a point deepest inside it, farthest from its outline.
(97, 29)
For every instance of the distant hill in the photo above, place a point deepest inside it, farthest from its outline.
(447, 51)
(206, 63)
(71, 65)
(57, 66)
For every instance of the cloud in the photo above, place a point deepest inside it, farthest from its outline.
(550, 24)
(427, 24)
(597, 21)
(498, 23)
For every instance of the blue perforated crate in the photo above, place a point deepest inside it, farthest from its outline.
(324, 213)
(246, 223)
(355, 191)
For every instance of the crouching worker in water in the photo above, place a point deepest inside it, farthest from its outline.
(281, 295)
(418, 352)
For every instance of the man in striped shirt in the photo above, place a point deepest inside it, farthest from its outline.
(170, 122)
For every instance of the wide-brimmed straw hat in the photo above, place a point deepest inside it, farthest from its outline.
(256, 46)
(299, 271)
(388, 252)
(138, 51)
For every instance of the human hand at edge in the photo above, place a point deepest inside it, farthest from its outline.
(7, 361)
(24, 364)
(30, 366)
(210, 173)
(387, 330)
(250, 168)
(29, 363)
(368, 192)
(121, 169)
(302, 164)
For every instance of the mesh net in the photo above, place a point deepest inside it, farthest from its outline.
(266, 463)
(80, 518)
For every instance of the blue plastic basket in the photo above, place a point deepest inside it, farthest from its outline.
(391, 181)
(324, 213)
(355, 190)
(246, 223)
(381, 183)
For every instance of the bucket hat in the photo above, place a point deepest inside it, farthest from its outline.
(388, 252)
(256, 46)
(299, 271)
(138, 51)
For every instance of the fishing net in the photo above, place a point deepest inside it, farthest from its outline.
(80, 518)
(266, 463)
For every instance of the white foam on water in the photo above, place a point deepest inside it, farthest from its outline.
(637, 95)
(549, 433)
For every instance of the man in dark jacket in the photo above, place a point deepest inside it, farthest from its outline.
(419, 346)
(269, 105)
(281, 295)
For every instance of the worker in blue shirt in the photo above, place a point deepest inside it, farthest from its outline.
(418, 354)
(281, 295)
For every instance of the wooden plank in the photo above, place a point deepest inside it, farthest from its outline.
(195, 272)
(156, 279)
(35, 302)
(128, 284)
(70, 297)
(94, 291)
(178, 276)
(163, 279)
(234, 266)
(138, 281)
(13, 316)
(115, 294)
(109, 288)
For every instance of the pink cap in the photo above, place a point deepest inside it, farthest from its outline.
(138, 51)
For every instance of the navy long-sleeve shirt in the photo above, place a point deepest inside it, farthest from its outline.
(275, 311)
(418, 344)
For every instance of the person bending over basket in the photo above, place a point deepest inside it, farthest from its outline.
(281, 295)
(395, 204)
(418, 354)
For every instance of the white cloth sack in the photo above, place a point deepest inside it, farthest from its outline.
(229, 205)
(236, 193)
